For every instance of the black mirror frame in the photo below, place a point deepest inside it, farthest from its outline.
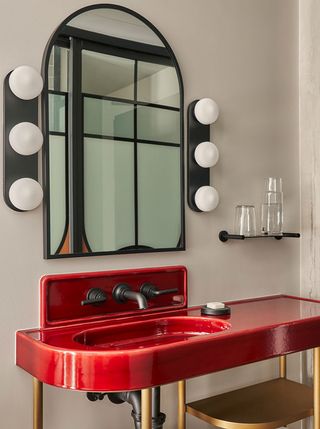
(44, 125)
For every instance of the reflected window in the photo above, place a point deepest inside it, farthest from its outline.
(107, 75)
(158, 84)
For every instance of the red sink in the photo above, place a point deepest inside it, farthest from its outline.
(151, 333)
(115, 347)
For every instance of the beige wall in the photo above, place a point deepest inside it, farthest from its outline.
(244, 54)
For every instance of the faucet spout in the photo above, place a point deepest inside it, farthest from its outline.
(138, 297)
(122, 293)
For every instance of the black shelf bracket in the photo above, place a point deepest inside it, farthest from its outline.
(224, 236)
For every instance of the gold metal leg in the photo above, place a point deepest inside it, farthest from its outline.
(37, 404)
(181, 404)
(283, 366)
(316, 388)
(146, 409)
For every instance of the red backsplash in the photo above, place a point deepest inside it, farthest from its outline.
(61, 294)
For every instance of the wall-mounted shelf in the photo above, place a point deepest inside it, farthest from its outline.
(225, 236)
(267, 405)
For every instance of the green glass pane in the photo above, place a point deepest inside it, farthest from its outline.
(109, 194)
(107, 75)
(58, 69)
(57, 106)
(108, 118)
(159, 195)
(57, 170)
(158, 83)
(158, 124)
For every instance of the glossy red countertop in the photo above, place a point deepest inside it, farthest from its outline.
(257, 329)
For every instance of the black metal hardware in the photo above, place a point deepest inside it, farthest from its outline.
(225, 236)
(95, 296)
(16, 166)
(95, 396)
(75, 149)
(144, 51)
(197, 176)
(123, 293)
(134, 399)
(150, 291)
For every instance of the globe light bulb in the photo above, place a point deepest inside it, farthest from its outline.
(206, 154)
(25, 82)
(206, 111)
(206, 198)
(26, 138)
(26, 194)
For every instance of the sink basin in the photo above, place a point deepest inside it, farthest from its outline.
(151, 333)
(115, 347)
(132, 353)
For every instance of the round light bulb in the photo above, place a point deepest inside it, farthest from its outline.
(206, 154)
(26, 138)
(25, 194)
(26, 82)
(206, 198)
(206, 111)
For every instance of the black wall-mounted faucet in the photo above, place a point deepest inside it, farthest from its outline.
(123, 293)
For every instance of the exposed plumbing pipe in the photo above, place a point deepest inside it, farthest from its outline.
(134, 399)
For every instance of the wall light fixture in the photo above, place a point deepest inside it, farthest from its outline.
(202, 155)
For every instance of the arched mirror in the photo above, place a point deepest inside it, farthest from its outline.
(113, 126)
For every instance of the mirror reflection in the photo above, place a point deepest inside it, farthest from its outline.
(113, 120)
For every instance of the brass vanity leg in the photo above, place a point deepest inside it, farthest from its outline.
(37, 404)
(283, 366)
(316, 388)
(181, 404)
(146, 408)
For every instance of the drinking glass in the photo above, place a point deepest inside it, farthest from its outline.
(272, 208)
(271, 219)
(245, 220)
(273, 184)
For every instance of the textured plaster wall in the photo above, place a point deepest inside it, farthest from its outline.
(309, 104)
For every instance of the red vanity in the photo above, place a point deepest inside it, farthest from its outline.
(110, 346)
